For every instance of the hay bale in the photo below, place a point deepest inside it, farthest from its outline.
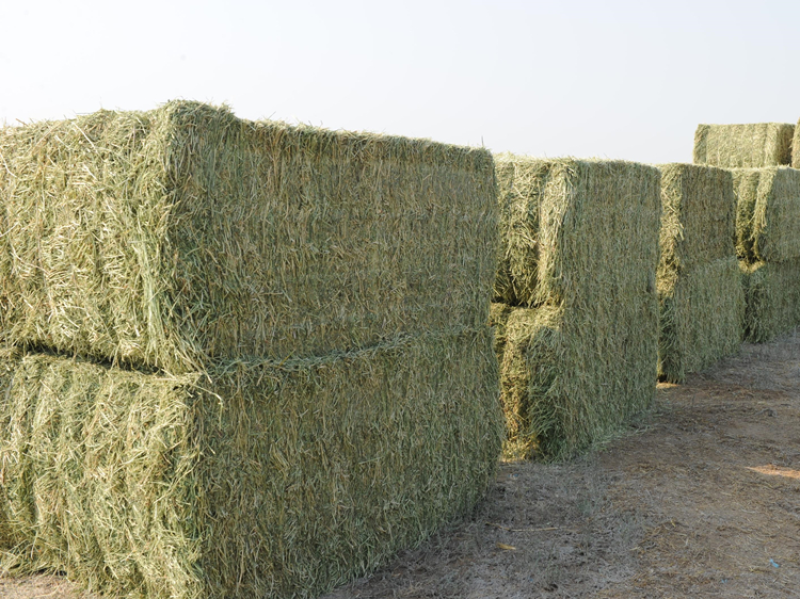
(167, 238)
(768, 214)
(699, 285)
(585, 357)
(275, 479)
(772, 294)
(744, 146)
(702, 312)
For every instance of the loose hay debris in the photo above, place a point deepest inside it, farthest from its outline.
(699, 283)
(585, 356)
(744, 146)
(277, 479)
(167, 238)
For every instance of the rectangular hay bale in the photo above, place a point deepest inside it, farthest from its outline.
(271, 479)
(768, 214)
(772, 294)
(699, 285)
(167, 238)
(584, 357)
(744, 146)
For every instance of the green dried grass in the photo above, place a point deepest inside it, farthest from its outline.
(768, 214)
(585, 358)
(699, 285)
(744, 146)
(498, 320)
(168, 238)
(772, 293)
(702, 314)
(277, 479)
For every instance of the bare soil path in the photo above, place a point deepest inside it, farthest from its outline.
(701, 498)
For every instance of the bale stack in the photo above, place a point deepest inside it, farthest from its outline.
(699, 283)
(242, 359)
(744, 146)
(768, 247)
(576, 299)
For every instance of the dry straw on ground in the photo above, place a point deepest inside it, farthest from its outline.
(162, 239)
(744, 146)
(584, 357)
(699, 283)
(277, 480)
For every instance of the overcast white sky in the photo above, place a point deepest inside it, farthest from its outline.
(613, 79)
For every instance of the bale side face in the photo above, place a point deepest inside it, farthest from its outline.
(702, 312)
(744, 146)
(698, 216)
(598, 246)
(282, 480)
(167, 238)
(772, 295)
(768, 214)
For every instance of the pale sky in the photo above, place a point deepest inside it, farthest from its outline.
(613, 79)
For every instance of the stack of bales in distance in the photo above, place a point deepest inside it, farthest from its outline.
(576, 299)
(768, 247)
(309, 384)
(699, 283)
(744, 146)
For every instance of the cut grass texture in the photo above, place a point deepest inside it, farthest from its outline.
(768, 214)
(584, 357)
(772, 292)
(699, 284)
(164, 239)
(744, 146)
(275, 479)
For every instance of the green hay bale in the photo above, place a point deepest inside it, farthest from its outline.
(698, 216)
(273, 479)
(585, 358)
(768, 214)
(699, 286)
(744, 146)
(772, 294)
(167, 238)
(702, 312)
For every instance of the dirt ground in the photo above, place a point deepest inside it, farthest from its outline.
(700, 498)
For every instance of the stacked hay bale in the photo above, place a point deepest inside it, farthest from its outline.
(576, 299)
(699, 283)
(744, 146)
(242, 359)
(768, 246)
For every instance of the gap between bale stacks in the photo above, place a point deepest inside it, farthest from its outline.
(699, 284)
(279, 371)
(768, 247)
(744, 146)
(581, 349)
